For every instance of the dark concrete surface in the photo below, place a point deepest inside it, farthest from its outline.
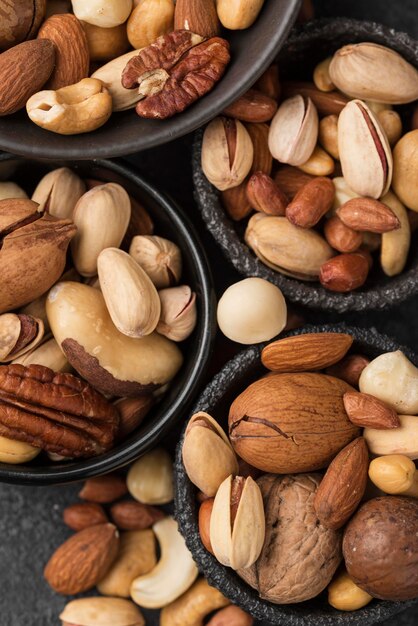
(30, 518)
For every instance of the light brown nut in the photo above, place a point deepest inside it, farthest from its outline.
(24, 70)
(83, 515)
(58, 192)
(101, 612)
(149, 20)
(319, 163)
(104, 489)
(199, 16)
(311, 203)
(106, 43)
(331, 103)
(16, 452)
(349, 368)
(131, 515)
(231, 616)
(328, 135)
(109, 74)
(48, 354)
(205, 512)
(264, 195)
(104, 13)
(309, 351)
(341, 237)
(395, 244)
(71, 50)
(345, 272)
(321, 77)
(343, 485)
(82, 561)
(150, 478)
(345, 595)
(395, 474)
(132, 412)
(366, 214)
(294, 131)
(405, 159)
(160, 258)
(269, 82)
(191, 608)
(19, 334)
(392, 125)
(291, 180)
(401, 440)
(238, 14)
(253, 106)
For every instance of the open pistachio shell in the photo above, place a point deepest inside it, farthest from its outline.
(294, 131)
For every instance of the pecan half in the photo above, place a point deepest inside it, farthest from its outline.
(175, 71)
(56, 412)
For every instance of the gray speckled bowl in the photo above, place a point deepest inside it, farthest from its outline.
(306, 46)
(235, 376)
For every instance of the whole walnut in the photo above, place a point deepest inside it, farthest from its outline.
(299, 556)
(380, 548)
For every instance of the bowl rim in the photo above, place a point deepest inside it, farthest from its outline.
(128, 452)
(377, 297)
(224, 578)
(165, 130)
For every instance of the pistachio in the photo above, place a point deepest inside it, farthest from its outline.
(102, 216)
(227, 153)
(294, 131)
(16, 452)
(405, 163)
(58, 192)
(207, 454)
(150, 479)
(178, 313)
(365, 154)
(11, 190)
(293, 251)
(18, 334)
(395, 244)
(112, 362)
(48, 354)
(131, 298)
(101, 612)
(237, 525)
(373, 72)
(159, 257)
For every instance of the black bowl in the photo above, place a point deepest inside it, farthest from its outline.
(216, 399)
(171, 222)
(304, 48)
(252, 51)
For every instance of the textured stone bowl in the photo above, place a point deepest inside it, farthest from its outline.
(170, 222)
(305, 47)
(216, 399)
(252, 50)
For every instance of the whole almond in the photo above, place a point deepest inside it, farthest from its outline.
(253, 106)
(231, 616)
(345, 272)
(71, 49)
(24, 70)
(291, 179)
(367, 214)
(343, 485)
(205, 512)
(342, 237)
(131, 515)
(104, 489)
(366, 411)
(349, 368)
(302, 353)
(311, 202)
(327, 103)
(269, 82)
(264, 195)
(235, 202)
(83, 560)
(199, 16)
(132, 412)
(83, 515)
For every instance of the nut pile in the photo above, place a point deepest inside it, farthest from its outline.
(114, 549)
(72, 64)
(109, 325)
(267, 511)
(332, 179)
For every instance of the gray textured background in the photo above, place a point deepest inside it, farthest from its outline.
(30, 520)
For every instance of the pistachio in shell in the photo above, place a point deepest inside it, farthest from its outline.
(294, 131)
(110, 361)
(58, 192)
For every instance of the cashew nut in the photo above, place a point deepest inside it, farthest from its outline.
(14, 452)
(71, 110)
(11, 190)
(344, 595)
(402, 440)
(395, 474)
(174, 573)
(193, 606)
(395, 244)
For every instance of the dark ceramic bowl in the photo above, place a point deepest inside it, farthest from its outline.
(304, 48)
(216, 399)
(170, 222)
(252, 51)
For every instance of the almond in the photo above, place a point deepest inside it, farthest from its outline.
(342, 237)
(24, 70)
(205, 512)
(83, 515)
(72, 51)
(199, 16)
(264, 195)
(311, 351)
(345, 272)
(343, 485)
(235, 202)
(269, 83)
(131, 515)
(132, 412)
(366, 411)
(291, 179)
(104, 489)
(253, 106)
(367, 214)
(83, 560)
(311, 202)
(349, 369)
(327, 103)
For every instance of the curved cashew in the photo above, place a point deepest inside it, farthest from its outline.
(193, 606)
(174, 573)
(402, 440)
(71, 110)
(395, 474)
